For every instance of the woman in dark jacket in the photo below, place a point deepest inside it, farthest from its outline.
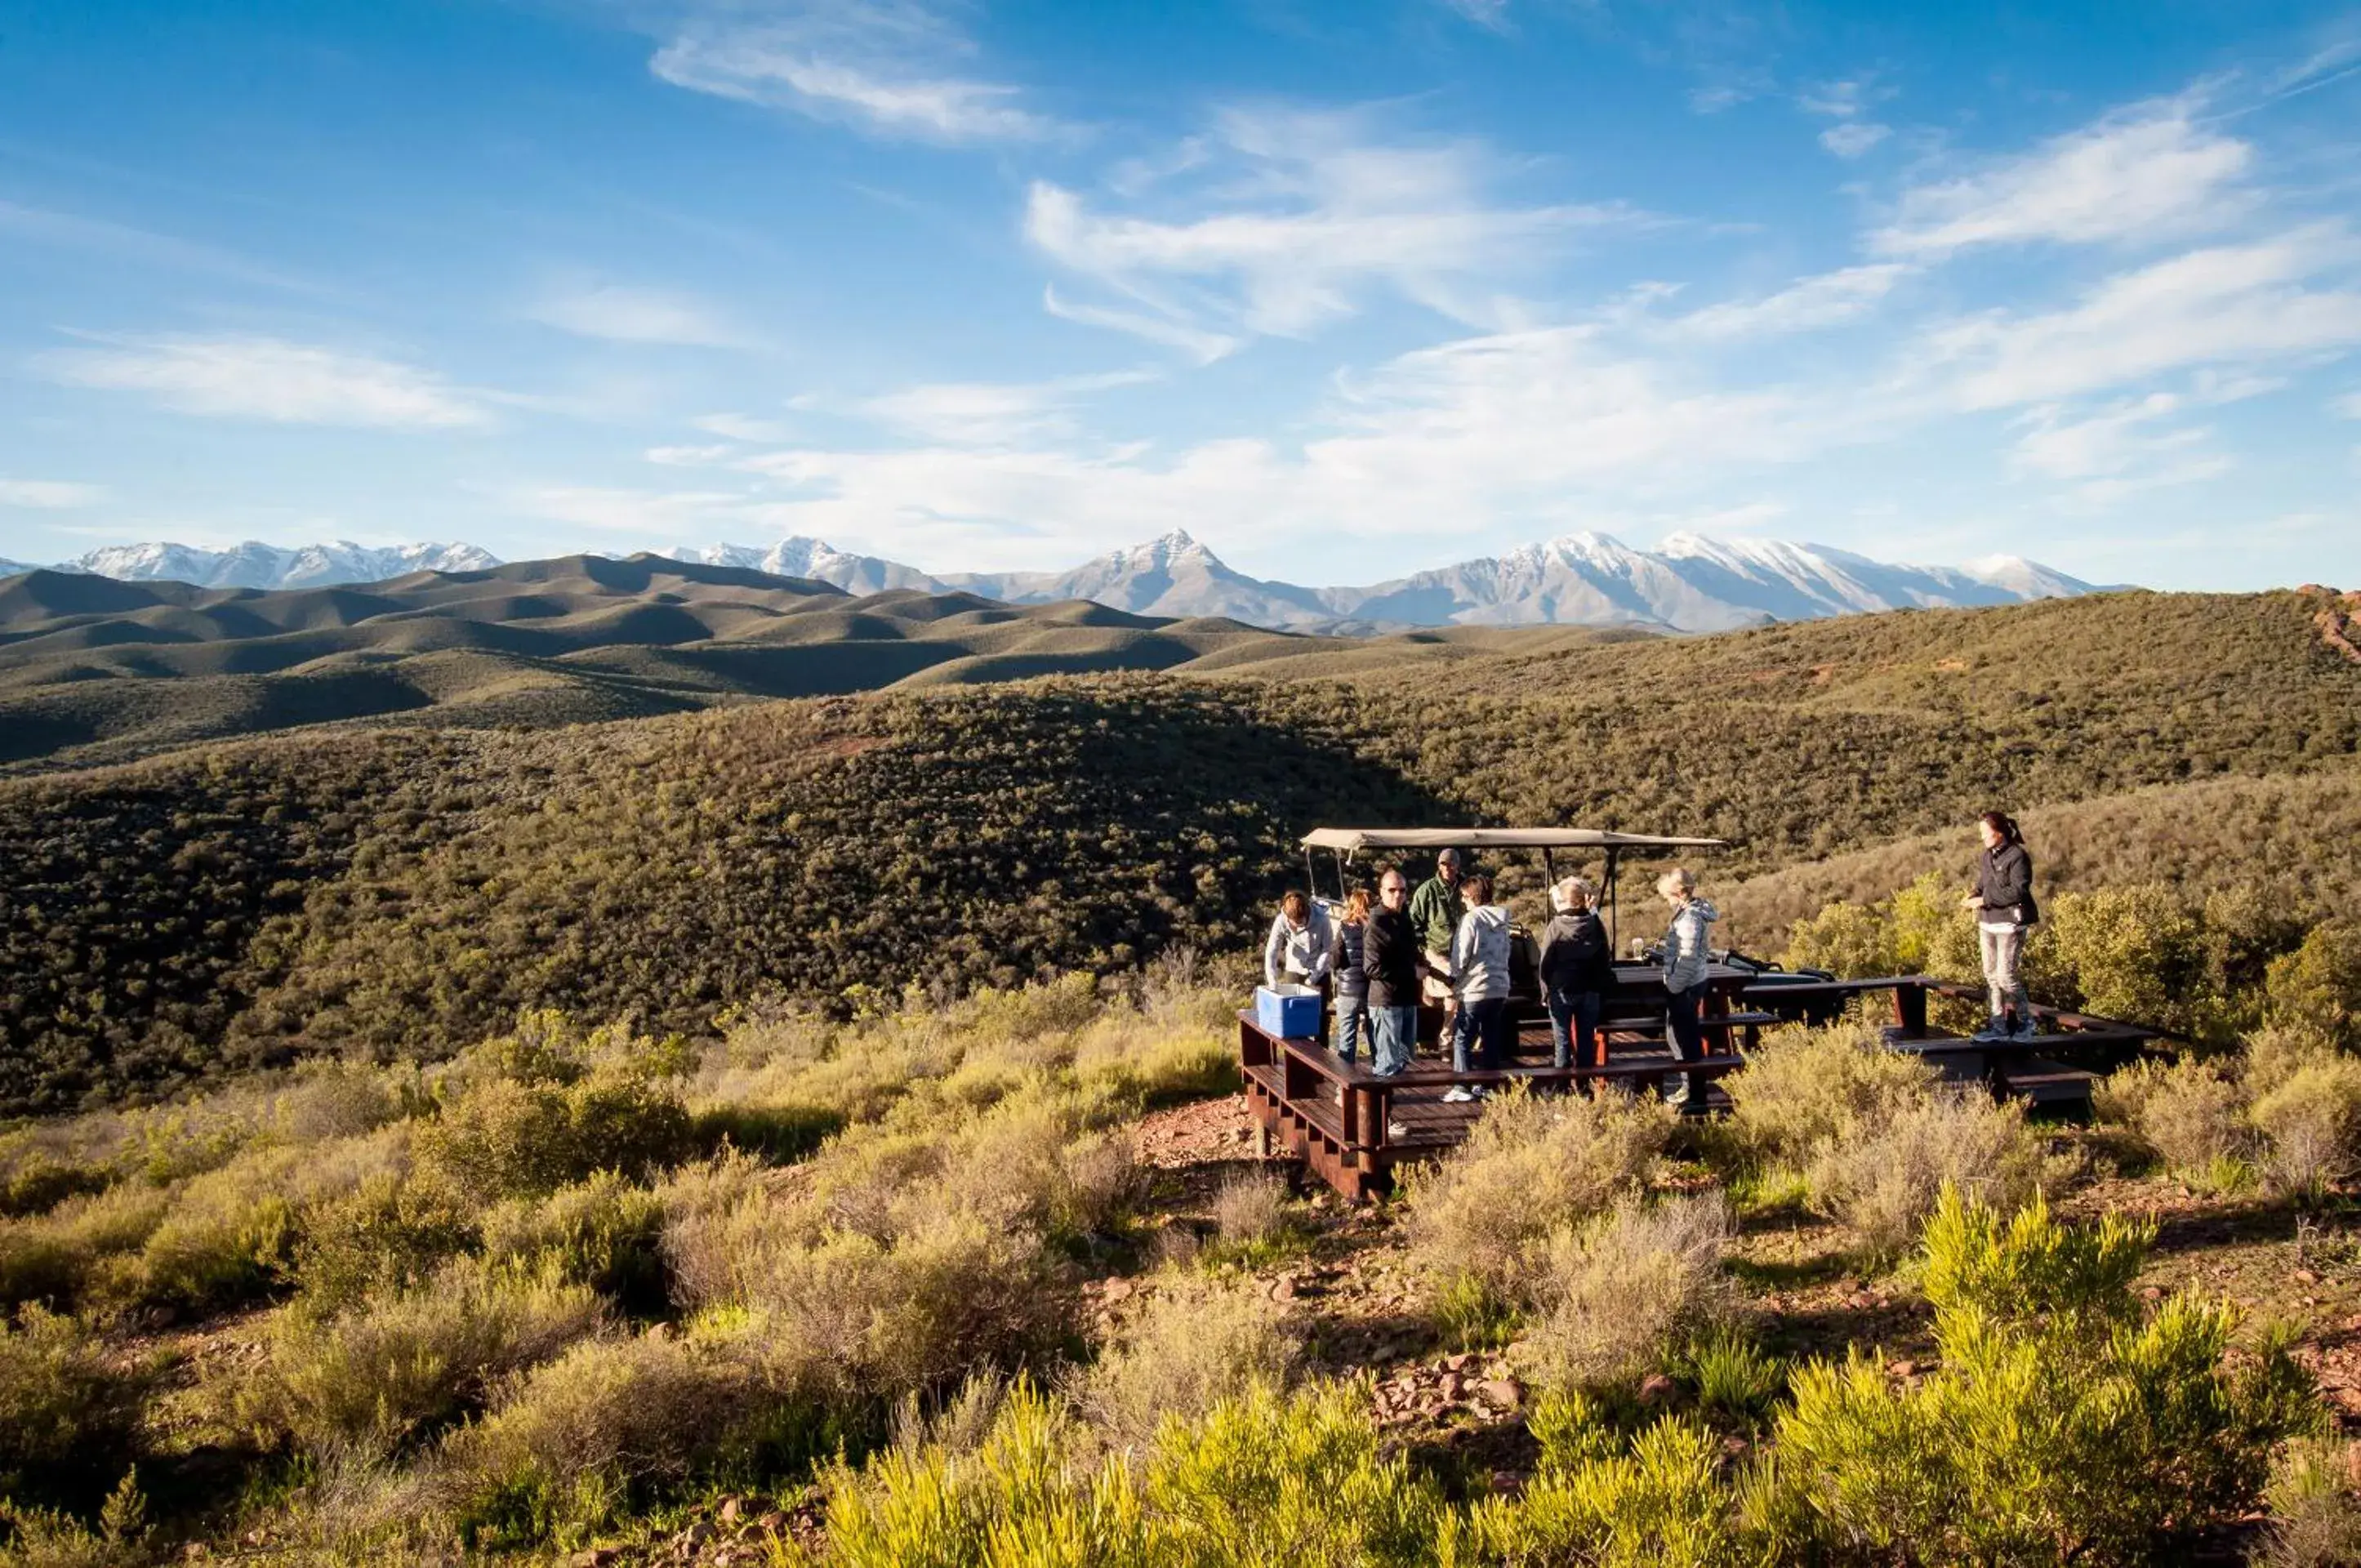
(1352, 980)
(1576, 973)
(2005, 912)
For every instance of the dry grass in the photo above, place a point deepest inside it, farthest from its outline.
(1884, 1180)
(368, 1380)
(1532, 1165)
(1195, 1342)
(2190, 1113)
(1617, 1293)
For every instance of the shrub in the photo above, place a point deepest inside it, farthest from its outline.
(52, 1258)
(1193, 1344)
(1884, 1178)
(507, 1138)
(2082, 1433)
(579, 1440)
(2133, 952)
(604, 1233)
(42, 1538)
(1600, 1497)
(2318, 986)
(372, 1378)
(2315, 1517)
(66, 1415)
(1254, 1223)
(1803, 1087)
(2187, 1112)
(388, 1233)
(2312, 1121)
(1531, 1165)
(1620, 1291)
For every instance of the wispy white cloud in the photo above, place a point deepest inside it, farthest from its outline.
(1199, 344)
(2155, 173)
(1292, 220)
(993, 413)
(1854, 138)
(239, 377)
(887, 67)
(49, 494)
(2223, 305)
(99, 236)
(2347, 406)
(1490, 13)
(2130, 446)
(690, 456)
(742, 427)
(622, 314)
(1829, 299)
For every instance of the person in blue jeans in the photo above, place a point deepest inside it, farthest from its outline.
(1483, 1036)
(1390, 959)
(1686, 957)
(1352, 980)
(1576, 971)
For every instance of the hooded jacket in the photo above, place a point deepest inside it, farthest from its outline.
(1296, 950)
(1479, 954)
(2004, 882)
(1686, 951)
(1573, 953)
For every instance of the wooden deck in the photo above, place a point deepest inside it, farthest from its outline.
(1354, 1128)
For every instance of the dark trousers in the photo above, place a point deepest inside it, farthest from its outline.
(1685, 1031)
(1574, 1028)
(1486, 1027)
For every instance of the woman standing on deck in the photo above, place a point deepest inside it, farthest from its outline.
(1577, 971)
(1352, 980)
(1686, 957)
(2005, 910)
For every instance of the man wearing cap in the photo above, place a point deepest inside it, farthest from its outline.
(1435, 912)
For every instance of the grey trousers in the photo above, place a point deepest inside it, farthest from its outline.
(2001, 952)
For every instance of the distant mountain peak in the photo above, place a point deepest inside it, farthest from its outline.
(1691, 582)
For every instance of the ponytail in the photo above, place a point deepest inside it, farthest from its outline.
(2002, 823)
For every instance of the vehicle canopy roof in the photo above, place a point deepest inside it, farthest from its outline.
(1349, 841)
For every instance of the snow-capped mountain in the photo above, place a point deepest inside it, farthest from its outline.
(816, 560)
(258, 566)
(1173, 575)
(1690, 583)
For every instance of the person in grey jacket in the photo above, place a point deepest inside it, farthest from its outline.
(1686, 955)
(2005, 909)
(1479, 975)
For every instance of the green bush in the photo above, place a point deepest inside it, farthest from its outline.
(507, 1137)
(1262, 1478)
(604, 1233)
(2312, 1121)
(1601, 1496)
(67, 1414)
(389, 1233)
(2318, 986)
(2082, 1432)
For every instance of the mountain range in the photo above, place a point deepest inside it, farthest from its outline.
(1690, 583)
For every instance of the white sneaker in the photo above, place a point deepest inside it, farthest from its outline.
(1458, 1094)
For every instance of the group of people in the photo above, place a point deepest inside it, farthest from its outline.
(1443, 953)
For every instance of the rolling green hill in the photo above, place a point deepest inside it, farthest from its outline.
(400, 890)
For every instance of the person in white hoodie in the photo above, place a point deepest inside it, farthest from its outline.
(1296, 951)
(1686, 955)
(1479, 974)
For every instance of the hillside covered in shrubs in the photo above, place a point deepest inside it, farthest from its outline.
(403, 891)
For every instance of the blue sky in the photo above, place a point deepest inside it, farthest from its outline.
(1345, 290)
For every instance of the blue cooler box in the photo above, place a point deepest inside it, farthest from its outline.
(1288, 1011)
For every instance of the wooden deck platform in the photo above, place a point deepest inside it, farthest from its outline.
(1354, 1128)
